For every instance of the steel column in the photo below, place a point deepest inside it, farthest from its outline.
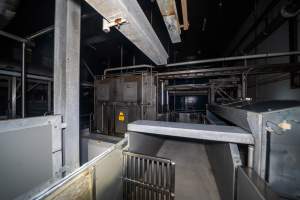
(162, 100)
(244, 86)
(66, 76)
(23, 80)
(13, 97)
(49, 96)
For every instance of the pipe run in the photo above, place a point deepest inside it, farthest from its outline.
(126, 68)
(235, 58)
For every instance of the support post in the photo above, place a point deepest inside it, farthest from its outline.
(23, 80)
(13, 97)
(250, 156)
(49, 96)
(66, 76)
(162, 92)
(244, 86)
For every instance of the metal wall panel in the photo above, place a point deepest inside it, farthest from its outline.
(30, 150)
(144, 144)
(26, 160)
(103, 92)
(130, 91)
(224, 159)
(251, 187)
(283, 160)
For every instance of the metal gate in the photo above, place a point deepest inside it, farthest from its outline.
(147, 177)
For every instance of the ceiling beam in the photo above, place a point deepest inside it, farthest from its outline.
(136, 27)
(168, 11)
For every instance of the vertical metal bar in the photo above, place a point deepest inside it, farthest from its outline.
(148, 177)
(133, 177)
(129, 176)
(163, 179)
(144, 176)
(168, 179)
(9, 97)
(244, 86)
(250, 156)
(49, 96)
(157, 178)
(138, 175)
(172, 186)
(162, 88)
(124, 174)
(23, 80)
(13, 97)
(142, 104)
(66, 76)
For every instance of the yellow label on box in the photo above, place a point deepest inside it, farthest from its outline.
(121, 116)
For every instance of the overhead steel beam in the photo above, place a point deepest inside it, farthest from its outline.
(136, 27)
(66, 76)
(168, 10)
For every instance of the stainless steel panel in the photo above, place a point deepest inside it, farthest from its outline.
(144, 143)
(91, 148)
(102, 92)
(276, 157)
(108, 173)
(283, 147)
(26, 160)
(130, 93)
(195, 131)
(224, 159)
(251, 187)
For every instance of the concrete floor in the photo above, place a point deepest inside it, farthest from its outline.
(194, 179)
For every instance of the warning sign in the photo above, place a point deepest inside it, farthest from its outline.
(121, 117)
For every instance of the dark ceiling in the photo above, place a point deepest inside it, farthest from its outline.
(213, 24)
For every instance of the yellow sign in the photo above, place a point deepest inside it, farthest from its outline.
(121, 117)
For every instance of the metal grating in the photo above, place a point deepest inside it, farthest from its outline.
(147, 177)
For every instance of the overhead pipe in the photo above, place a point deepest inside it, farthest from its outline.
(234, 58)
(13, 37)
(41, 32)
(126, 68)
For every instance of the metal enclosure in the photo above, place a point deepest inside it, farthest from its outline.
(30, 154)
(275, 127)
(122, 99)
